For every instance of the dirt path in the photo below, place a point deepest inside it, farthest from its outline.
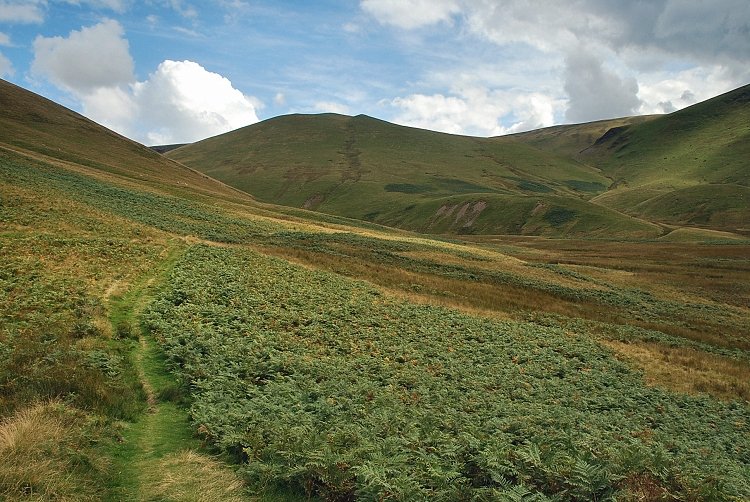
(158, 457)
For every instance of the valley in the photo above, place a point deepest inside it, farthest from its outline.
(525, 331)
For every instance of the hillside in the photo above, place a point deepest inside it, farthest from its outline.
(571, 139)
(691, 167)
(164, 337)
(635, 177)
(409, 178)
(38, 128)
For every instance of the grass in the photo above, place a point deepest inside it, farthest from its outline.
(396, 168)
(158, 456)
(48, 453)
(688, 370)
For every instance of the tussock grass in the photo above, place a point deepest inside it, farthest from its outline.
(189, 476)
(688, 370)
(46, 454)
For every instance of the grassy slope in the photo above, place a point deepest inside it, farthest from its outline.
(399, 176)
(687, 168)
(570, 140)
(78, 237)
(44, 130)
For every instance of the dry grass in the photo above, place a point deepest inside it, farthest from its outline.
(44, 455)
(188, 476)
(688, 370)
(473, 297)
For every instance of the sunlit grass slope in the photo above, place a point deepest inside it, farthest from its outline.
(368, 169)
(571, 139)
(42, 129)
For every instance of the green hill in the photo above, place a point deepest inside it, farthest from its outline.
(369, 169)
(658, 170)
(691, 167)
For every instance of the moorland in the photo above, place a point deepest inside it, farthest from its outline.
(562, 314)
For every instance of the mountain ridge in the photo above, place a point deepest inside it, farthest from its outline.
(604, 176)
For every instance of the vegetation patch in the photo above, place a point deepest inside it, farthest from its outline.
(689, 370)
(47, 452)
(533, 186)
(324, 384)
(586, 186)
(407, 188)
(559, 216)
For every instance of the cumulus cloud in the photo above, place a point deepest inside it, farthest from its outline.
(652, 50)
(437, 112)
(183, 102)
(594, 92)
(331, 107)
(410, 14)
(476, 111)
(97, 56)
(179, 102)
(666, 92)
(705, 30)
(22, 11)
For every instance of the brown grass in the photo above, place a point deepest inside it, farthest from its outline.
(687, 370)
(188, 476)
(469, 296)
(44, 456)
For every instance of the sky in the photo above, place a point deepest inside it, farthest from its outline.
(176, 71)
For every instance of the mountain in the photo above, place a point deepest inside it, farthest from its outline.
(635, 177)
(369, 169)
(691, 167)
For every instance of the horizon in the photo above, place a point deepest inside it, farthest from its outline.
(168, 72)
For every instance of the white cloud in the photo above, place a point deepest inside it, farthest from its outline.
(279, 99)
(595, 92)
(119, 6)
(663, 93)
(6, 67)
(183, 102)
(188, 32)
(23, 11)
(97, 56)
(436, 112)
(180, 102)
(654, 52)
(477, 111)
(182, 8)
(410, 14)
(331, 107)
(4, 39)
(113, 107)
(532, 111)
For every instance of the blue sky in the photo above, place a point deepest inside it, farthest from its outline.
(163, 71)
